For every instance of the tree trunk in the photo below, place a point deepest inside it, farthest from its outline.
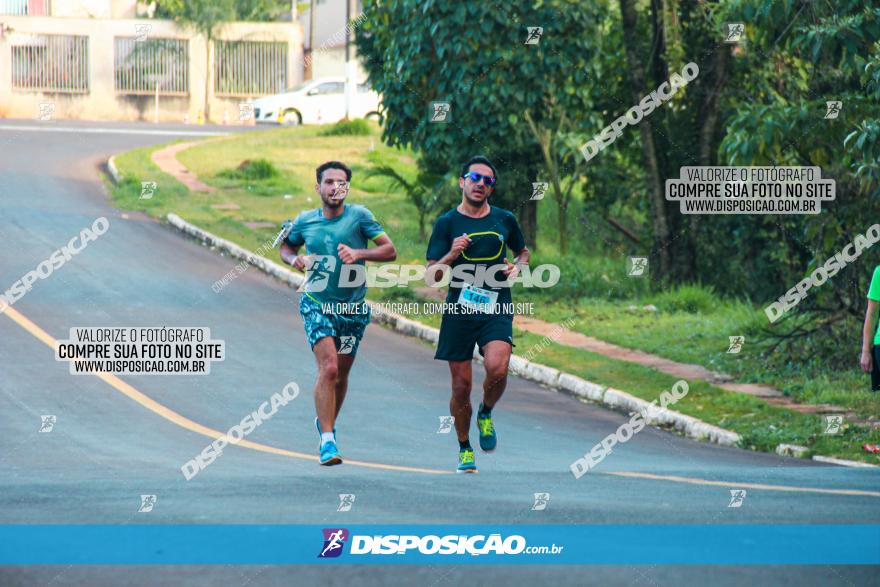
(661, 250)
(519, 172)
(659, 74)
(528, 222)
(709, 115)
(681, 248)
(710, 109)
(561, 225)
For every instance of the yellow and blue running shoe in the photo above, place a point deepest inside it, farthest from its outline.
(466, 462)
(488, 437)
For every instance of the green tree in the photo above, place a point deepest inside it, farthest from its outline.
(659, 40)
(474, 56)
(426, 192)
(247, 10)
(207, 16)
(798, 57)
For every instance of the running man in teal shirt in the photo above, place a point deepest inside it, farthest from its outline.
(335, 316)
(871, 333)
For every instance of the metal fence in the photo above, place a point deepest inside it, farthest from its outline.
(14, 7)
(249, 68)
(52, 63)
(140, 64)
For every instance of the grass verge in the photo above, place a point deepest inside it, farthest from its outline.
(688, 325)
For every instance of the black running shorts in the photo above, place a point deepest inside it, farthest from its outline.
(459, 335)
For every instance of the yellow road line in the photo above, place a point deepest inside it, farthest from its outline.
(737, 485)
(188, 424)
(172, 416)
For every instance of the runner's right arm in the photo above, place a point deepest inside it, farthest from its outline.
(290, 248)
(870, 327)
(458, 245)
(442, 241)
(289, 255)
(868, 336)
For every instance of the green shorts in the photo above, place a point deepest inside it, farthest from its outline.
(459, 335)
(347, 330)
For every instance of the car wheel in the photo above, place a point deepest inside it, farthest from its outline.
(291, 118)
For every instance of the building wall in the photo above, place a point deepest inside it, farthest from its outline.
(329, 18)
(331, 63)
(102, 102)
(93, 8)
(328, 58)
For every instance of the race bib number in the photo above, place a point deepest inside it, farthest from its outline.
(478, 299)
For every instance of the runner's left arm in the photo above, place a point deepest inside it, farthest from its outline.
(372, 231)
(383, 251)
(516, 242)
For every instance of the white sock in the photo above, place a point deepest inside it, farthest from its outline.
(327, 437)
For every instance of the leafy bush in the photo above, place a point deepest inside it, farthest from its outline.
(357, 126)
(253, 169)
(687, 298)
(591, 277)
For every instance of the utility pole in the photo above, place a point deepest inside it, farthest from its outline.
(310, 66)
(350, 63)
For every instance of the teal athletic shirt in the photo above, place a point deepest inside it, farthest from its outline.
(874, 295)
(355, 227)
(491, 236)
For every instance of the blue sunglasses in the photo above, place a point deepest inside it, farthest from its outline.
(476, 177)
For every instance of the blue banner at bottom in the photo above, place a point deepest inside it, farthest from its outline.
(440, 544)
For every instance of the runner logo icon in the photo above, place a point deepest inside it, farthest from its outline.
(334, 540)
(346, 345)
(147, 503)
(47, 423)
(541, 501)
(319, 272)
(833, 422)
(736, 344)
(446, 423)
(737, 497)
(346, 500)
(538, 190)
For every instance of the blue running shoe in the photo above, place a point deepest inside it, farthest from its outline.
(318, 426)
(488, 438)
(330, 454)
(466, 462)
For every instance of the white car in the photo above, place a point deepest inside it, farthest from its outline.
(318, 101)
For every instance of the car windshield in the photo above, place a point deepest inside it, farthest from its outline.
(299, 87)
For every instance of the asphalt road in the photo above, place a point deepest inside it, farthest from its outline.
(106, 449)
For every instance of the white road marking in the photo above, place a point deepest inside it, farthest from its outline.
(115, 131)
(764, 486)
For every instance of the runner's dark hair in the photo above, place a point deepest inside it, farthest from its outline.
(332, 165)
(478, 159)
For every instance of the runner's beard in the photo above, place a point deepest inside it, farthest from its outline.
(476, 203)
(335, 200)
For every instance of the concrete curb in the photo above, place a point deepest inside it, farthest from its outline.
(843, 462)
(792, 450)
(542, 374)
(112, 171)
